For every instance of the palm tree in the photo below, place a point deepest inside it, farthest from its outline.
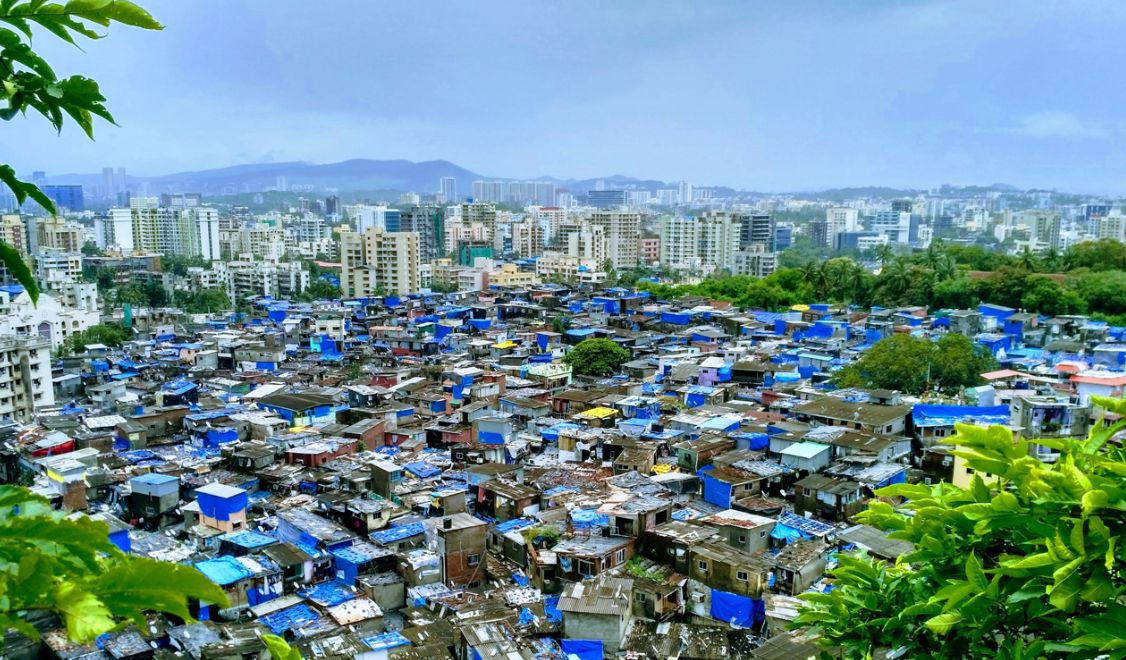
(884, 254)
(1052, 258)
(896, 277)
(945, 268)
(855, 282)
(813, 273)
(1027, 259)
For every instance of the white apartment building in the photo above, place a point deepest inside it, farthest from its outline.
(1043, 228)
(718, 239)
(25, 376)
(588, 244)
(622, 228)
(556, 267)
(50, 319)
(841, 219)
(550, 219)
(680, 240)
(55, 269)
(247, 278)
(379, 261)
(756, 261)
(1112, 225)
(147, 227)
(527, 237)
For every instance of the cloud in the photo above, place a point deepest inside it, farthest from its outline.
(1057, 126)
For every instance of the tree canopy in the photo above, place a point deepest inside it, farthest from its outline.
(596, 357)
(913, 365)
(110, 335)
(1024, 563)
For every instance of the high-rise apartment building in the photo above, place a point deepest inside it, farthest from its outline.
(606, 199)
(66, 197)
(428, 222)
(57, 234)
(25, 376)
(447, 187)
(680, 240)
(14, 232)
(550, 219)
(147, 227)
(1111, 225)
(840, 219)
(756, 229)
(379, 261)
(1043, 228)
(366, 217)
(527, 237)
(622, 229)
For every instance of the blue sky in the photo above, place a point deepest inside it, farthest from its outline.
(758, 95)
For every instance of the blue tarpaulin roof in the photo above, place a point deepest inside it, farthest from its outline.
(398, 532)
(223, 570)
(422, 470)
(936, 415)
(328, 594)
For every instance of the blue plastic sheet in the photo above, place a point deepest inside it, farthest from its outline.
(733, 608)
(584, 649)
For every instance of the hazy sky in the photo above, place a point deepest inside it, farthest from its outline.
(759, 95)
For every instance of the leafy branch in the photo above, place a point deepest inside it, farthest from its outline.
(28, 82)
(67, 564)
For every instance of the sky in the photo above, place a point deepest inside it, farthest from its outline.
(754, 95)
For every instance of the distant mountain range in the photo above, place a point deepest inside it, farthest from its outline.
(349, 175)
(401, 175)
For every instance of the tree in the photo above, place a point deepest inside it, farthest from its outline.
(205, 301)
(320, 289)
(1044, 295)
(49, 561)
(1103, 254)
(1024, 562)
(957, 363)
(27, 82)
(900, 362)
(596, 357)
(912, 365)
(110, 335)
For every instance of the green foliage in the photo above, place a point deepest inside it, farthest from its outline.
(178, 265)
(542, 536)
(28, 82)
(1103, 254)
(560, 324)
(204, 301)
(280, 649)
(49, 561)
(1025, 563)
(320, 289)
(596, 357)
(110, 335)
(912, 365)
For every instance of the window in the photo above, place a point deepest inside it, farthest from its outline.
(620, 556)
(702, 565)
(742, 538)
(741, 576)
(762, 534)
(586, 568)
(474, 560)
(805, 491)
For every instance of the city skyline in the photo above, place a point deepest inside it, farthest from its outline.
(800, 97)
